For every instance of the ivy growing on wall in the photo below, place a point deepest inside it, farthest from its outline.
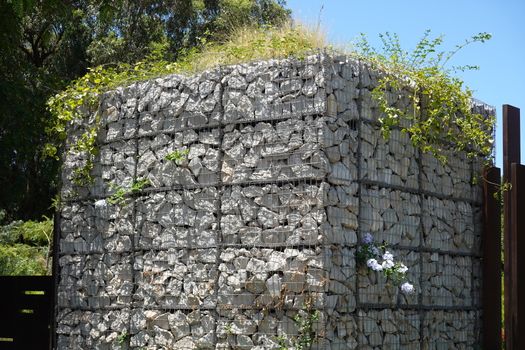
(82, 97)
(440, 116)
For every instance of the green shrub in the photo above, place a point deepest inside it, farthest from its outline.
(440, 116)
(27, 232)
(22, 259)
(24, 247)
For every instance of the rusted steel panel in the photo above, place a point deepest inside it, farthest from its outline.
(491, 260)
(511, 154)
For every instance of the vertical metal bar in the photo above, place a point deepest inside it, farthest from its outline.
(219, 241)
(491, 260)
(511, 154)
(135, 235)
(55, 272)
(517, 231)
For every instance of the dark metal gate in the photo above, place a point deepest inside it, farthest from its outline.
(26, 304)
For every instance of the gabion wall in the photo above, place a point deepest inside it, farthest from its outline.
(248, 240)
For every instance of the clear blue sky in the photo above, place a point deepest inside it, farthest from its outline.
(501, 79)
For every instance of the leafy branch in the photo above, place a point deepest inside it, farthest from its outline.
(305, 321)
(440, 116)
(178, 156)
(122, 193)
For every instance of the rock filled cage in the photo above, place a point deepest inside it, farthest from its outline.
(247, 239)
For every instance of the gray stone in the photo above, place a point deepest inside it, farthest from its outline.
(274, 285)
(284, 231)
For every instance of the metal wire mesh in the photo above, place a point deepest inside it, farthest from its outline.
(248, 237)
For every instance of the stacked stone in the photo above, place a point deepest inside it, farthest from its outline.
(196, 163)
(450, 280)
(414, 204)
(264, 151)
(390, 215)
(262, 180)
(86, 329)
(448, 225)
(143, 251)
(451, 329)
(451, 179)
(391, 161)
(387, 329)
(272, 263)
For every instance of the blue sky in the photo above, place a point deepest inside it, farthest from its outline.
(501, 78)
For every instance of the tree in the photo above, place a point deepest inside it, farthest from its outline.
(127, 30)
(46, 44)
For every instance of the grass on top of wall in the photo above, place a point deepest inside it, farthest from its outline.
(244, 44)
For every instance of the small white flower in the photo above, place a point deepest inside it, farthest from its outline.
(387, 264)
(388, 256)
(374, 265)
(371, 262)
(407, 288)
(402, 268)
(101, 203)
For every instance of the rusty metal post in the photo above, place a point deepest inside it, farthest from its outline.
(517, 229)
(511, 154)
(491, 260)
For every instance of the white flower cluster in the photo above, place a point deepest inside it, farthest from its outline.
(395, 271)
(388, 263)
(407, 288)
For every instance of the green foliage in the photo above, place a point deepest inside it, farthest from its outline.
(178, 156)
(228, 328)
(394, 274)
(34, 64)
(123, 337)
(305, 321)
(24, 247)
(82, 96)
(47, 44)
(23, 260)
(129, 31)
(87, 144)
(440, 115)
(28, 232)
(121, 194)
(500, 193)
(249, 43)
(37, 233)
(369, 251)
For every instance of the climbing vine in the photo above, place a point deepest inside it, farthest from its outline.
(178, 156)
(121, 194)
(81, 98)
(305, 321)
(440, 115)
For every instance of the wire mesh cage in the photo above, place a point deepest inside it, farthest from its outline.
(229, 207)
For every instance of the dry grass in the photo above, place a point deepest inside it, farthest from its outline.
(246, 44)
